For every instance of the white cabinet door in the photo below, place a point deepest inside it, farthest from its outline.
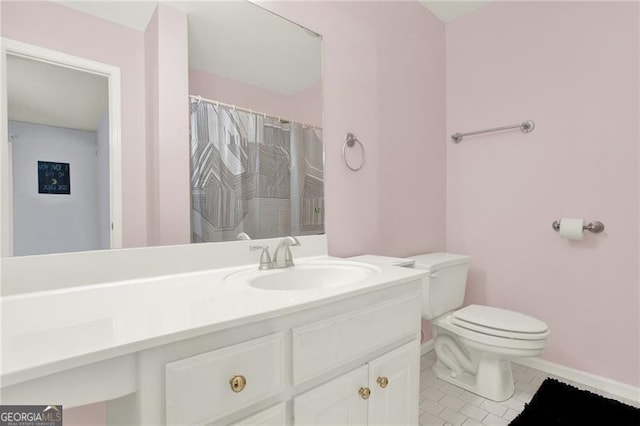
(394, 380)
(337, 402)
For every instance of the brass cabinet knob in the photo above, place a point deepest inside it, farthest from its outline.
(365, 393)
(238, 383)
(383, 382)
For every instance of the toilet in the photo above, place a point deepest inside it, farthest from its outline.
(474, 344)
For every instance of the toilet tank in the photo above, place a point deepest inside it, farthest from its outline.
(443, 289)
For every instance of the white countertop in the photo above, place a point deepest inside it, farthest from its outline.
(51, 331)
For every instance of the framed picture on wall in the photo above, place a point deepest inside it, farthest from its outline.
(53, 178)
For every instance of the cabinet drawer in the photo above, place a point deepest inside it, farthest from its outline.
(327, 344)
(199, 388)
(274, 416)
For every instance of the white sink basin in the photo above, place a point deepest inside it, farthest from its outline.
(306, 276)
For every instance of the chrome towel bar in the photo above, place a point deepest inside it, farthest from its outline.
(525, 127)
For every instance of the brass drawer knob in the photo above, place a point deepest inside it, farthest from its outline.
(383, 382)
(365, 393)
(238, 383)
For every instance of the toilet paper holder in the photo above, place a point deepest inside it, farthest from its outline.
(596, 226)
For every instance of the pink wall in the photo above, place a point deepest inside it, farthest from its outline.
(383, 79)
(39, 23)
(86, 415)
(167, 97)
(307, 105)
(410, 125)
(303, 107)
(573, 68)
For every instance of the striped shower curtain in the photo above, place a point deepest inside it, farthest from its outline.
(254, 174)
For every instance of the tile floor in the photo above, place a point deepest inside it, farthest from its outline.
(444, 404)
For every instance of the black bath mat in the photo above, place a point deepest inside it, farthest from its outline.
(559, 404)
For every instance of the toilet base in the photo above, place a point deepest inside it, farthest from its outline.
(493, 379)
(478, 362)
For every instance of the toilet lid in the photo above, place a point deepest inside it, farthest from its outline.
(500, 322)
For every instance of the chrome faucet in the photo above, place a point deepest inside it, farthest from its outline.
(285, 243)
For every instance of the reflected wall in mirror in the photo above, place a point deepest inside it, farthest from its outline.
(221, 123)
(59, 134)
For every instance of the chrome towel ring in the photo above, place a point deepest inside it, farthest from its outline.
(350, 141)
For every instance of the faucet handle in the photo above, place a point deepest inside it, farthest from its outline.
(265, 257)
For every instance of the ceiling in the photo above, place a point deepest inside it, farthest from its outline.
(235, 39)
(448, 10)
(38, 92)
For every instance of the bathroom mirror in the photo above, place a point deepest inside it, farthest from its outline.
(250, 115)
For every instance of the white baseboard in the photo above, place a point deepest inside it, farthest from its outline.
(613, 387)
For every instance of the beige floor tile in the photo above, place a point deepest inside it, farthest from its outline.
(493, 420)
(452, 417)
(442, 403)
(427, 419)
(473, 412)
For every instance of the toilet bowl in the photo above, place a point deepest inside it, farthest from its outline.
(477, 355)
(475, 344)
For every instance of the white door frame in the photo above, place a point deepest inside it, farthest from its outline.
(112, 73)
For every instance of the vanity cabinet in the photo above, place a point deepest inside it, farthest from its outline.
(383, 392)
(355, 366)
(207, 347)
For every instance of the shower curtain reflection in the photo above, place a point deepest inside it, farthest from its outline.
(253, 173)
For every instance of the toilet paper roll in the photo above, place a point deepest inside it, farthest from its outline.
(571, 228)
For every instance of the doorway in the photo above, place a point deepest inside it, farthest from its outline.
(61, 153)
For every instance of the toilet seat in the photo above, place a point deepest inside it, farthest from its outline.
(489, 338)
(500, 323)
